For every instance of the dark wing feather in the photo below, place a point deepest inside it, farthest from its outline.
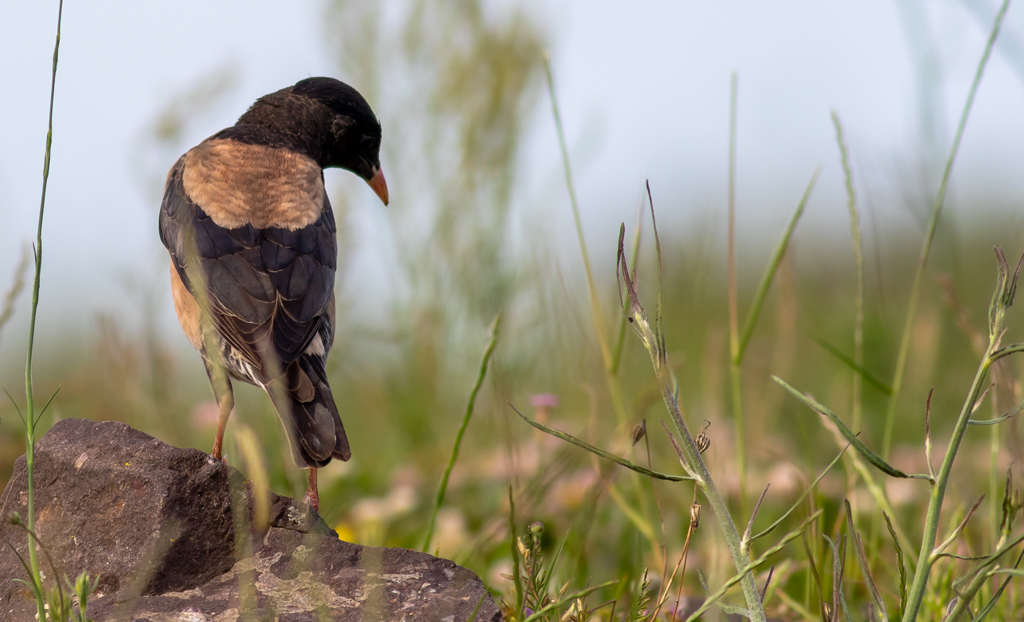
(263, 286)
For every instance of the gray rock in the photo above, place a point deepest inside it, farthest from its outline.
(159, 528)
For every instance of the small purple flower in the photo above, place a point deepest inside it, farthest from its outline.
(542, 403)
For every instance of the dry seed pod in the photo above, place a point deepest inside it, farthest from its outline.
(702, 440)
(639, 432)
(694, 516)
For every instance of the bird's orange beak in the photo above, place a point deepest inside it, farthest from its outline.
(379, 185)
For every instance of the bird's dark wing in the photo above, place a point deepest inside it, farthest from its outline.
(263, 240)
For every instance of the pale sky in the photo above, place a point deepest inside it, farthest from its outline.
(644, 89)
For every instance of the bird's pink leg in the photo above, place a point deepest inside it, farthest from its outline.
(226, 403)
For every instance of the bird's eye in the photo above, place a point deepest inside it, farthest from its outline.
(366, 141)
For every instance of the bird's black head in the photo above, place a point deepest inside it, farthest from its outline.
(329, 121)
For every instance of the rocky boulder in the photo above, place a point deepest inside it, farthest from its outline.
(171, 536)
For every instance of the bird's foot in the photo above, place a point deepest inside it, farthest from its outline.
(217, 454)
(312, 499)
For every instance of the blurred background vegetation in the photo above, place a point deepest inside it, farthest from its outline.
(455, 85)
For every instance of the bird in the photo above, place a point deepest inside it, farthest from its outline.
(253, 252)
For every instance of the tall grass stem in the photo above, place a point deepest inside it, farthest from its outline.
(620, 340)
(858, 260)
(771, 269)
(653, 339)
(734, 331)
(609, 357)
(599, 323)
(1001, 300)
(30, 419)
(595, 305)
(933, 223)
(443, 486)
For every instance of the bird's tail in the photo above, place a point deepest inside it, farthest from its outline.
(305, 404)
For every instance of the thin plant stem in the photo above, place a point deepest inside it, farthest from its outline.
(858, 303)
(653, 339)
(718, 507)
(1001, 300)
(30, 419)
(858, 259)
(772, 269)
(734, 331)
(600, 327)
(926, 246)
(439, 498)
(620, 340)
(736, 360)
(928, 557)
(609, 358)
(599, 323)
(993, 471)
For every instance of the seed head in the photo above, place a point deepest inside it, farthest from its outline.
(702, 440)
(639, 432)
(694, 516)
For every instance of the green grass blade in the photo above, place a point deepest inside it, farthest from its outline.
(540, 613)
(595, 306)
(969, 585)
(443, 486)
(753, 565)
(602, 453)
(659, 318)
(42, 411)
(770, 270)
(1013, 348)
(858, 259)
(815, 575)
(733, 300)
(871, 379)
(29, 397)
(1012, 572)
(899, 561)
(862, 561)
(838, 565)
(873, 458)
(28, 570)
(933, 223)
(807, 491)
(739, 417)
(546, 583)
(987, 609)
(1011, 413)
(620, 341)
(16, 408)
(476, 609)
